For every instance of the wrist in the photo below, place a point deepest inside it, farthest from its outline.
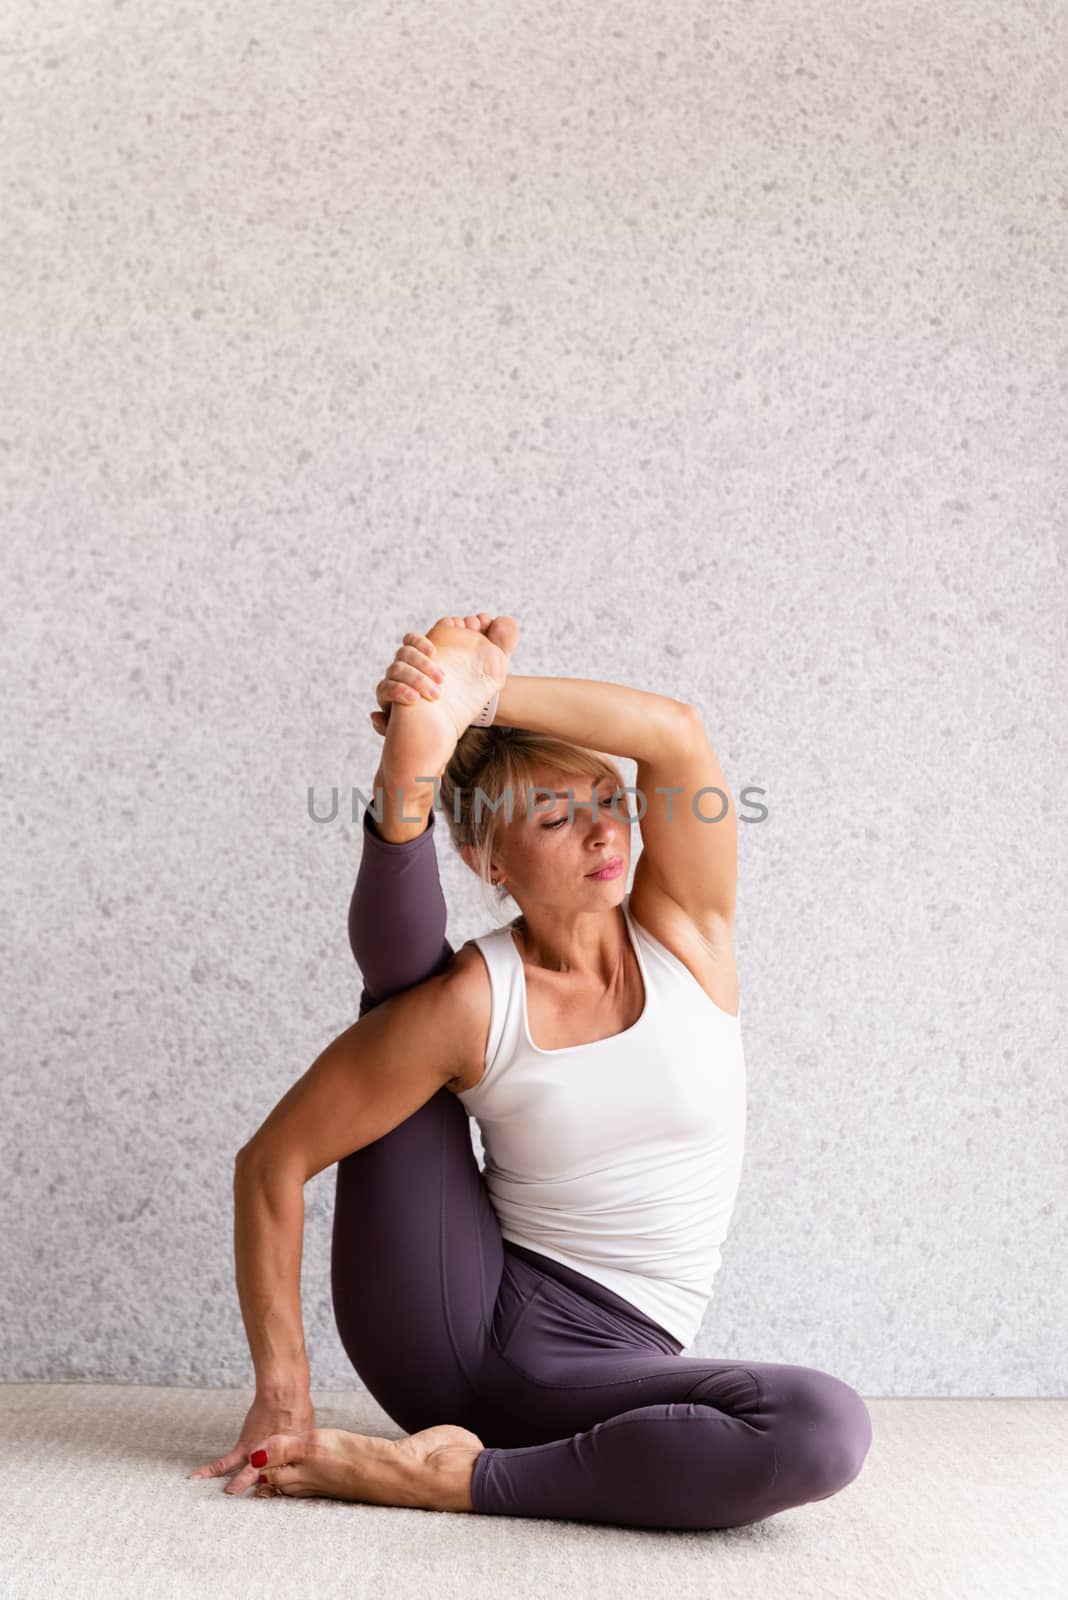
(507, 696)
(284, 1389)
(488, 715)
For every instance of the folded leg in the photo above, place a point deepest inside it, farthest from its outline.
(608, 1428)
(747, 1442)
(416, 1255)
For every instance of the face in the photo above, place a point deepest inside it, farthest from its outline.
(547, 859)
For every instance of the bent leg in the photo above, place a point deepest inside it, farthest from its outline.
(416, 1253)
(599, 1423)
(736, 1446)
(416, 1271)
(397, 914)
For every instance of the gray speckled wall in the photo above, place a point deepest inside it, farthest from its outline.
(725, 347)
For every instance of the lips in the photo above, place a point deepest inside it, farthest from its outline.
(609, 866)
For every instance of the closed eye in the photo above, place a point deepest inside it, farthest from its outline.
(607, 801)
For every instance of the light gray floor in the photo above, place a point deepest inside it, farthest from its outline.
(958, 1498)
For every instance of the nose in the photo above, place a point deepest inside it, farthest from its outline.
(607, 829)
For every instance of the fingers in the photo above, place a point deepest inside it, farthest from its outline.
(283, 1451)
(404, 685)
(280, 1478)
(219, 1467)
(411, 660)
(419, 657)
(413, 672)
(278, 1449)
(244, 1480)
(239, 1458)
(421, 642)
(390, 690)
(410, 674)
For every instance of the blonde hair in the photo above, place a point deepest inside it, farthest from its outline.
(494, 761)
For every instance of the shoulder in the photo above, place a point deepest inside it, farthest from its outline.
(467, 968)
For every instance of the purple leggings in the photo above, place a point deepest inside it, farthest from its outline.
(587, 1410)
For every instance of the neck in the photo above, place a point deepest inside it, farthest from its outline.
(589, 944)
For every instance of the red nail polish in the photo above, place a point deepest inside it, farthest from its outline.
(262, 1478)
(258, 1458)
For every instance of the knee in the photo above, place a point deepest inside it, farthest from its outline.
(831, 1433)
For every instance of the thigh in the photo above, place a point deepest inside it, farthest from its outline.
(639, 1438)
(416, 1262)
(561, 1364)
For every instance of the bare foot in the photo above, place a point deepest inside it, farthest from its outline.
(421, 737)
(430, 1469)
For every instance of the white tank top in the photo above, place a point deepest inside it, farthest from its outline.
(622, 1157)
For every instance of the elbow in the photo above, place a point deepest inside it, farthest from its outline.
(266, 1161)
(682, 717)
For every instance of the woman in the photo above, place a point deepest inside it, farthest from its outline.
(525, 1324)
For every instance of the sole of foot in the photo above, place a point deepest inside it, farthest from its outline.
(421, 737)
(429, 1470)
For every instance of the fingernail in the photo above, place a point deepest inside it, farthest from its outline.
(262, 1478)
(258, 1458)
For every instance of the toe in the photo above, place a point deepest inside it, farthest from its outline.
(277, 1451)
(504, 631)
(282, 1480)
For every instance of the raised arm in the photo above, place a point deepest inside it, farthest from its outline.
(685, 814)
(611, 717)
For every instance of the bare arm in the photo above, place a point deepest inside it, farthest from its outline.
(602, 716)
(686, 817)
(368, 1080)
(268, 1245)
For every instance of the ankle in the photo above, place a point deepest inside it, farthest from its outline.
(449, 1474)
(406, 807)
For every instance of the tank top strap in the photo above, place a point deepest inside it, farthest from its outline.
(498, 952)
